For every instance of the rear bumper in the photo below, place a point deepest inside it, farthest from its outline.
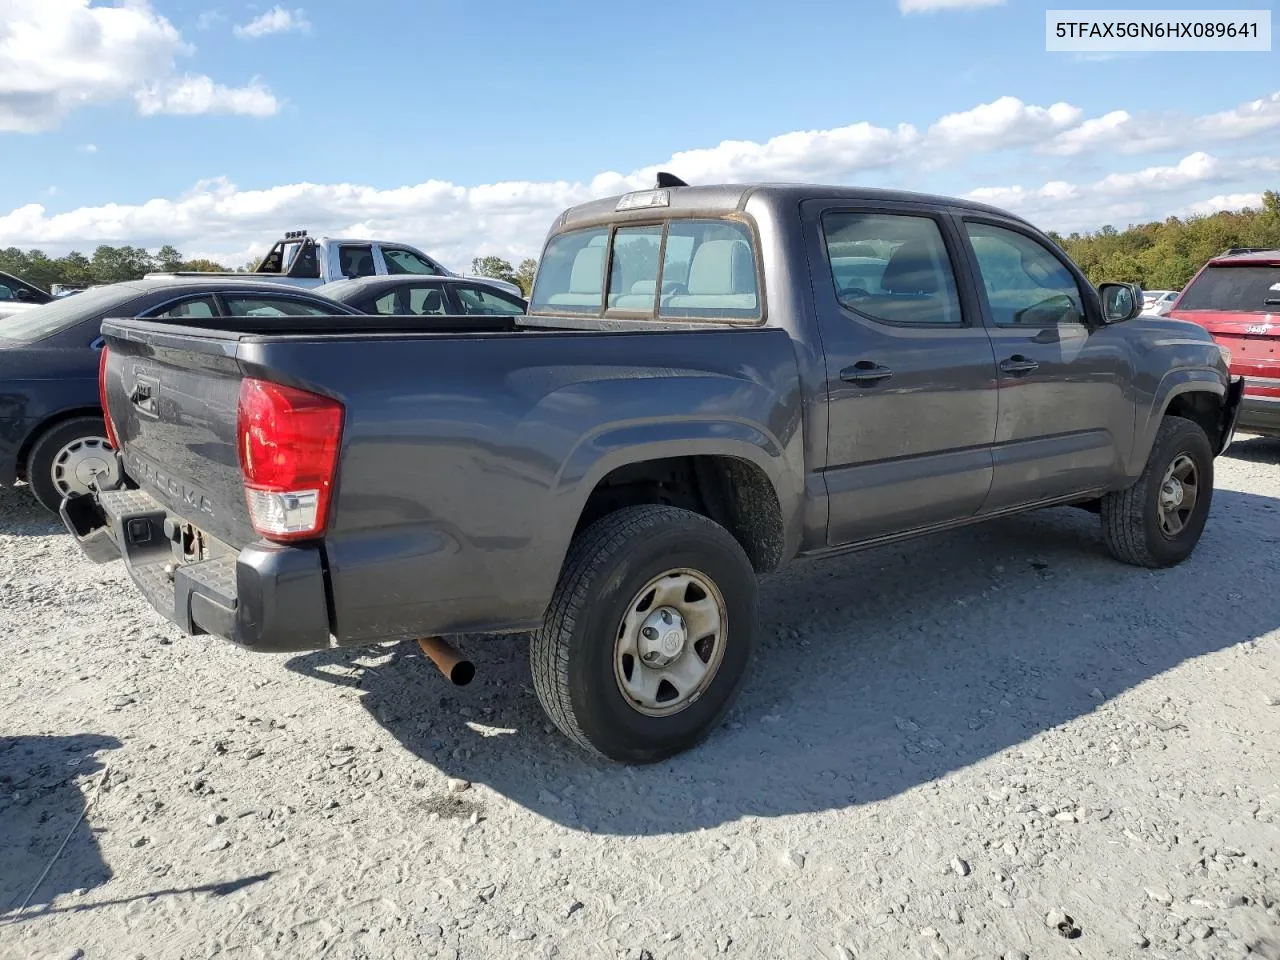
(1260, 415)
(267, 597)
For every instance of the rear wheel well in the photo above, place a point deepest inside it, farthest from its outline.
(1202, 408)
(734, 493)
(60, 417)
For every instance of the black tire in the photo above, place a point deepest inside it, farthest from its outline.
(1131, 517)
(40, 462)
(572, 654)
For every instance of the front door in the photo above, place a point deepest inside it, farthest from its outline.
(1066, 411)
(910, 376)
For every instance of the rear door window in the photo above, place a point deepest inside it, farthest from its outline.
(399, 260)
(1243, 288)
(427, 300)
(892, 267)
(386, 304)
(476, 299)
(268, 306)
(356, 260)
(196, 307)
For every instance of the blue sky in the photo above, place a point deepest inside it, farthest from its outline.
(215, 125)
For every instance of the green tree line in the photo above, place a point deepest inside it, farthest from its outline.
(1166, 255)
(501, 269)
(107, 265)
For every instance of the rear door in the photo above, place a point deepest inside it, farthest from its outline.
(1066, 403)
(910, 376)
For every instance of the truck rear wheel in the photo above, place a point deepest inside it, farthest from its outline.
(648, 637)
(1157, 522)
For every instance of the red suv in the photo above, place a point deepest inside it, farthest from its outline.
(1236, 297)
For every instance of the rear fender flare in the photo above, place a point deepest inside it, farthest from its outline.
(620, 445)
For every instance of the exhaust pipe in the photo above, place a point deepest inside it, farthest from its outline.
(448, 660)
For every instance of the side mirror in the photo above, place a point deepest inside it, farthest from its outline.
(23, 294)
(1120, 301)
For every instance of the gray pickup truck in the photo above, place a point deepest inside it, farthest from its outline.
(712, 381)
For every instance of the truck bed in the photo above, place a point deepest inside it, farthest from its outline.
(468, 448)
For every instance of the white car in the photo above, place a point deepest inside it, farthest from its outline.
(16, 295)
(1158, 302)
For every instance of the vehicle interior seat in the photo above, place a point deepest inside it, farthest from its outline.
(640, 298)
(432, 303)
(913, 289)
(722, 275)
(584, 280)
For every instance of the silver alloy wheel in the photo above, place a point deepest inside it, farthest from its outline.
(1178, 494)
(670, 642)
(77, 464)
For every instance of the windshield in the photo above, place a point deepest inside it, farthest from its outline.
(1247, 288)
(50, 318)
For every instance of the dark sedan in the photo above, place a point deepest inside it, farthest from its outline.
(422, 295)
(51, 428)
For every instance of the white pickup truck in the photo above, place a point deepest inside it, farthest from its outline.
(303, 261)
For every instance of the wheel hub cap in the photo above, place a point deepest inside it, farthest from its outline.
(77, 466)
(670, 643)
(662, 637)
(1172, 492)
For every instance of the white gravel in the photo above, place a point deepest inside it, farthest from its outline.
(993, 743)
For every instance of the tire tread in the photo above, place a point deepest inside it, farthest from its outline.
(590, 551)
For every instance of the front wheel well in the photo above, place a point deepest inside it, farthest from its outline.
(1202, 408)
(45, 426)
(735, 493)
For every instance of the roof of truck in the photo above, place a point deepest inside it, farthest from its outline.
(721, 199)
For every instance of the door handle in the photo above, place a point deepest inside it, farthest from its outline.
(865, 373)
(1018, 364)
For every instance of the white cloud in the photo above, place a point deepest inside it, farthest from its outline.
(929, 6)
(275, 20)
(1005, 122)
(87, 148)
(1223, 201)
(1123, 198)
(456, 222)
(59, 55)
(1130, 134)
(197, 94)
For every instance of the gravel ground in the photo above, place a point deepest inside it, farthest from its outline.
(992, 743)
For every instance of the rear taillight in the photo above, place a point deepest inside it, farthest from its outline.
(102, 399)
(288, 441)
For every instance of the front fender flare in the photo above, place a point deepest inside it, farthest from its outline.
(1172, 385)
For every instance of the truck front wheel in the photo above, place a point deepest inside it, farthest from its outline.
(1157, 522)
(647, 639)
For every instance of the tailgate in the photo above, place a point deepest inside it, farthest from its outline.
(172, 397)
(1254, 342)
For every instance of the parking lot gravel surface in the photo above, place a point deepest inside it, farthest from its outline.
(995, 742)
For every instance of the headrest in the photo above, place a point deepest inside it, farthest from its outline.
(721, 267)
(588, 266)
(911, 269)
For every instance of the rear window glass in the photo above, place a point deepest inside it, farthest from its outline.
(1251, 288)
(707, 270)
(571, 274)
